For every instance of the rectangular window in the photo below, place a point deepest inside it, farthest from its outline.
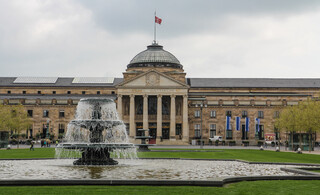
(39, 92)
(276, 114)
(69, 92)
(213, 114)
(9, 92)
(229, 113)
(112, 92)
(61, 113)
(83, 92)
(213, 130)
(229, 135)
(165, 131)
(98, 92)
(24, 92)
(30, 113)
(260, 114)
(61, 128)
(54, 92)
(178, 129)
(197, 131)
(197, 113)
(244, 114)
(45, 113)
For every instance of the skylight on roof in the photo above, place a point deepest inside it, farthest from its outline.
(93, 80)
(36, 80)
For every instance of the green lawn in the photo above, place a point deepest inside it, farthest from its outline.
(248, 155)
(26, 153)
(255, 187)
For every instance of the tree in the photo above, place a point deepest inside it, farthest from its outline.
(304, 117)
(4, 117)
(14, 118)
(287, 120)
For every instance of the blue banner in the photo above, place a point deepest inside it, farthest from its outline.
(228, 125)
(247, 124)
(257, 124)
(238, 118)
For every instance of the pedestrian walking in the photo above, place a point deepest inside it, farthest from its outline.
(32, 146)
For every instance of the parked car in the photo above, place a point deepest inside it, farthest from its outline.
(215, 138)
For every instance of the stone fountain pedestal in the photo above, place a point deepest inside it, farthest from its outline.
(95, 156)
(100, 123)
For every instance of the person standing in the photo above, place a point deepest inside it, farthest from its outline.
(32, 146)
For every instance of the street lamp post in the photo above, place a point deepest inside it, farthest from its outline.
(201, 107)
(47, 132)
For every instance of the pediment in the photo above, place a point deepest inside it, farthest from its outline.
(152, 79)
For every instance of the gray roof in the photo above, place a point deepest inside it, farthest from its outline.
(61, 82)
(193, 82)
(253, 83)
(55, 96)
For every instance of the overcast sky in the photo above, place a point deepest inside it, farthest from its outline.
(211, 38)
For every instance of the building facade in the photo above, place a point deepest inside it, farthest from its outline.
(155, 94)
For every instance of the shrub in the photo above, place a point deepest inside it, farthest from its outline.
(23, 135)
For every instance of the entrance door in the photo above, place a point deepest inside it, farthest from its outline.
(244, 133)
(153, 134)
(165, 133)
(44, 131)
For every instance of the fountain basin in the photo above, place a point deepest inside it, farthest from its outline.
(137, 169)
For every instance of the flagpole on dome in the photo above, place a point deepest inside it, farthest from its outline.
(155, 28)
(156, 20)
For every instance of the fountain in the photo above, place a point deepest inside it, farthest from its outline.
(97, 131)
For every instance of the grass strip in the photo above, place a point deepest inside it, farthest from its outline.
(256, 187)
(247, 155)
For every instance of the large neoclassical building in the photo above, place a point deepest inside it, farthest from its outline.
(155, 94)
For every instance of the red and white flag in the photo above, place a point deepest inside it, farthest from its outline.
(158, 20)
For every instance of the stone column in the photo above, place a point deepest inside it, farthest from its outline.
(185, 125)
(120, 106)
(132, 114)
(145, 112)
(173, 118)
(159, 117)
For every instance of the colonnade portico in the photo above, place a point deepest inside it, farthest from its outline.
(132, 118)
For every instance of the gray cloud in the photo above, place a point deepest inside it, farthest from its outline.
(181, 16)
(239, 38)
